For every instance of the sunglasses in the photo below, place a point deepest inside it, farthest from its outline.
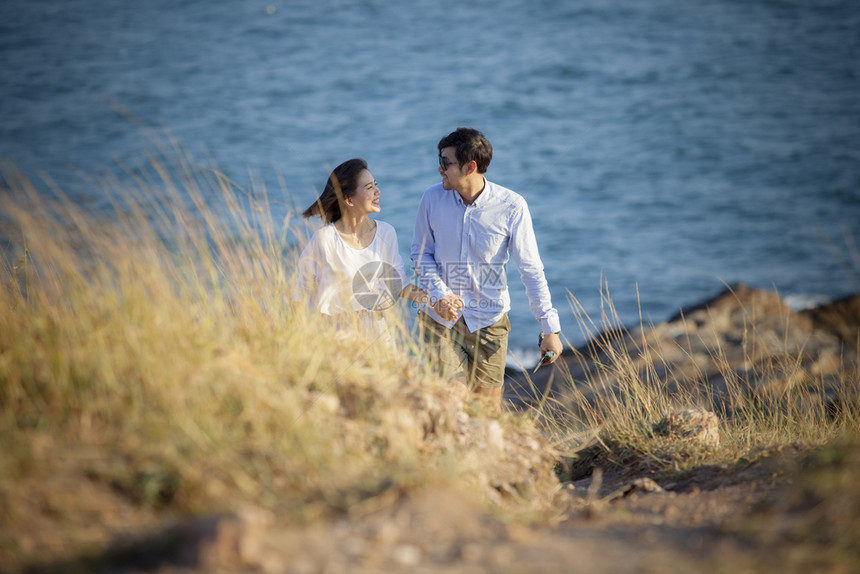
(445, 163)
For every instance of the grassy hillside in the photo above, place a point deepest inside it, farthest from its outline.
(153, 367)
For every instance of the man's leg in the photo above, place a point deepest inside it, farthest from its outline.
(487, 371)
(448, 358)
(474, 359)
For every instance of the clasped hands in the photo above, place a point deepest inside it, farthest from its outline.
(449, 307)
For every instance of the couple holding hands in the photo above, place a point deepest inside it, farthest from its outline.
(466, 230)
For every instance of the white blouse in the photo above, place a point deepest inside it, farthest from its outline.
(337, 278)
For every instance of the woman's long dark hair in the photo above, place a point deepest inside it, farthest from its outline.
(342, 183)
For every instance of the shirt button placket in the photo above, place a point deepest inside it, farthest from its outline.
(464, 241)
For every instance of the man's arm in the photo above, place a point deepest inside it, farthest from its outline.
(524, 251)
(444, 301)
(423, 256)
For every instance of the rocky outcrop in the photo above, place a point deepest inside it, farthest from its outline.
(695, 424)
(742, 339)
(841, 317)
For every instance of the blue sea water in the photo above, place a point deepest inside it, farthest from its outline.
(665, 147)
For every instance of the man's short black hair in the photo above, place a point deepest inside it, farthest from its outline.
(469, 145)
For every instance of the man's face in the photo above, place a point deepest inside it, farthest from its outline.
(449, 169)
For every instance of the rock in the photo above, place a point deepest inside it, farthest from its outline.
(219, 541)
(636, 486)
(755, 303)
(695, 424)
(407, 555)
(841, 317)
(735, 345)
(495, 438)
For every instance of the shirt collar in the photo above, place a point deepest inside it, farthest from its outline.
(483, 198)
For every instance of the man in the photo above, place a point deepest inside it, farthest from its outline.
(465, 231)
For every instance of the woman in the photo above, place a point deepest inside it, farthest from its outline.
(352, 264)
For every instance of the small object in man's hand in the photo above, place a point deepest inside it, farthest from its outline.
(546, 358)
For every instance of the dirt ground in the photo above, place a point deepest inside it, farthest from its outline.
(781, 511)
(691, 528)
(757, 516)
(713, 520)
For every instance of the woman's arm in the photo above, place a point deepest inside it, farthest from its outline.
(413, 293)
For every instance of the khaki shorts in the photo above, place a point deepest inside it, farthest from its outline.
(479, 356)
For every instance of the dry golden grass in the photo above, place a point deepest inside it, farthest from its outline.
(157, 355)
(175, 338)
(632, 379)
(153, 364)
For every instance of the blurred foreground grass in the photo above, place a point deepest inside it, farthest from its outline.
(153, 365)
(155, 353)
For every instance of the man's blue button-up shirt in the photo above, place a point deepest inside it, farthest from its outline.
(462, 249)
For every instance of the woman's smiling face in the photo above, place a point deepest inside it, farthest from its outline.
(366, 198)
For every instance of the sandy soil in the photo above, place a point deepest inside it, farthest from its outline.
(783, 511)
(747, 518)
